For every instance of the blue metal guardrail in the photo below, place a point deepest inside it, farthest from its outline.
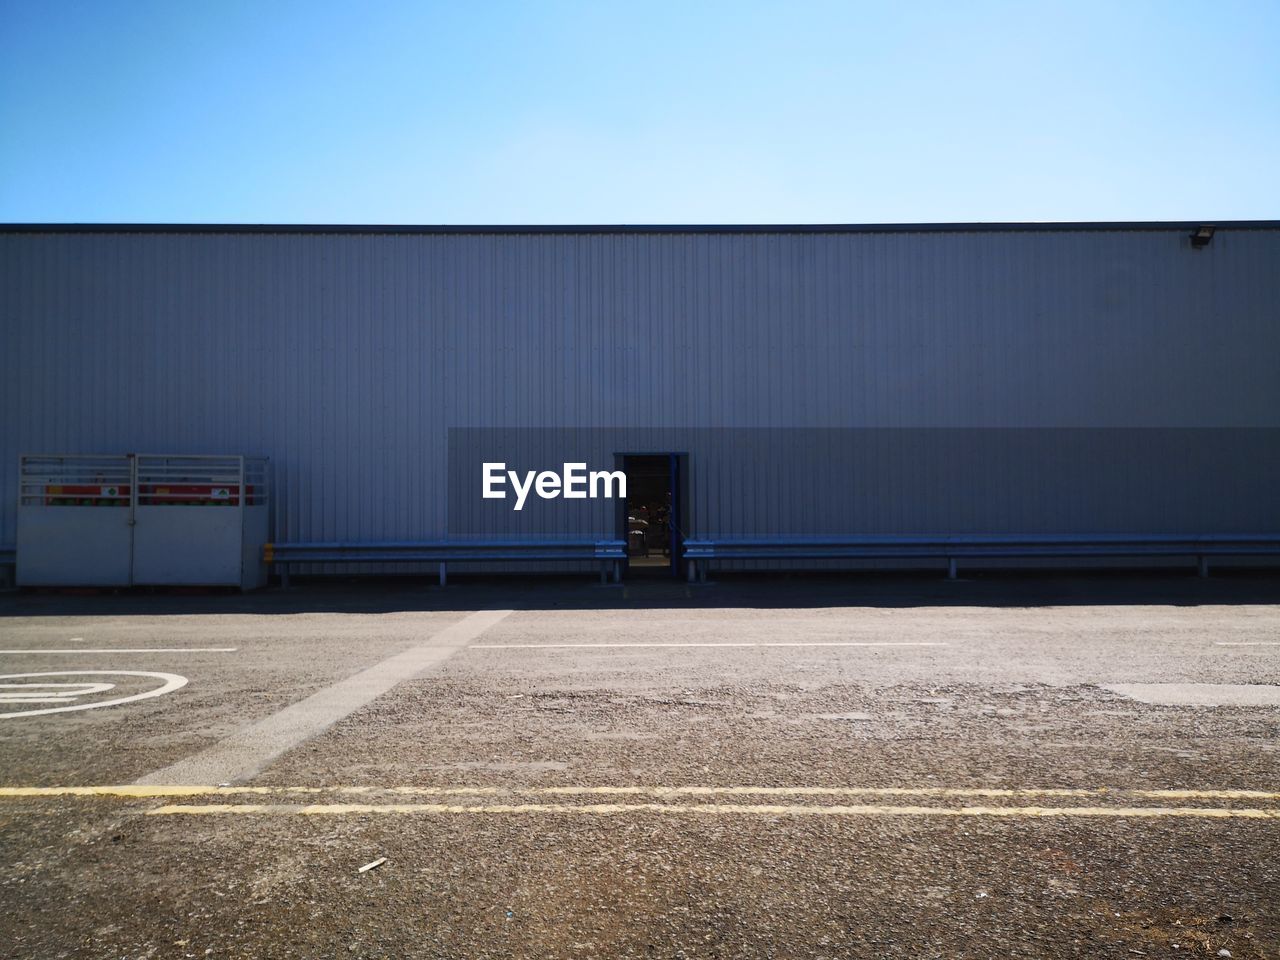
(701, 552)
(608, 553)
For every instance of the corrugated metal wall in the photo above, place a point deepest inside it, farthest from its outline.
(347, 358)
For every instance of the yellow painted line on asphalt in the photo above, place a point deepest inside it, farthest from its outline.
(136, 791)
(989, 792)
(1207, 794)
(609, 809)
(145, 791)
(619, 646)
(151, 791)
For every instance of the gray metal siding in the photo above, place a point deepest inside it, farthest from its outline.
(347, 358)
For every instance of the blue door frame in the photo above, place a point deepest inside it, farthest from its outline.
(677, 466)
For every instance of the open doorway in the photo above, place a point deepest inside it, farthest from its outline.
(653, 515)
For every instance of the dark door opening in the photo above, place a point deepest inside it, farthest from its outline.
(652, 517)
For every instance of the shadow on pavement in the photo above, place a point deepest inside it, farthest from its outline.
(362, 595)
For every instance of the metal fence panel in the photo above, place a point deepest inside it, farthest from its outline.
(95, 520)
(74, 521)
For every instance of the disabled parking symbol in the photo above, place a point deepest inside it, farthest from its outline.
(59, 692)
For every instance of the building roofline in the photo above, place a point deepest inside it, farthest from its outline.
(501, 229)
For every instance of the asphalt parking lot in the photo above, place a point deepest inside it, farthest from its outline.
(817, 767)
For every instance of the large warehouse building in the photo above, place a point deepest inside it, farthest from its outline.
(1084, 382)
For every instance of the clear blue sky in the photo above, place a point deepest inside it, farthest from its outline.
(597, 112)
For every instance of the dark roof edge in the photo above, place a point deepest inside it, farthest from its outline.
(634, 228)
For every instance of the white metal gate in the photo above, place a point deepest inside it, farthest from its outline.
(144, 519)
(75, 521)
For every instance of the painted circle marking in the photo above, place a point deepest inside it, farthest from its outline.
(172, 682)
(49, 692)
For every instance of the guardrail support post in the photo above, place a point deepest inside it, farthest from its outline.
(604, 572)
(444, 574)
(1202, 564)
(951, 568)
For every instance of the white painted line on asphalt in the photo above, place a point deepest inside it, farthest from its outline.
(1246, 643)
(1200, 694)
(172, 681)
(769, 810)
(619, 646)
(49, 692)
(250, 749)
(128, 650)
